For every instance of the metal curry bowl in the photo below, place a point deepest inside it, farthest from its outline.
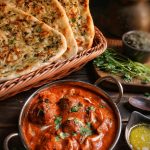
(93, 88)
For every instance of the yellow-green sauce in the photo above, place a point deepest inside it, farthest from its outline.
(140, 137)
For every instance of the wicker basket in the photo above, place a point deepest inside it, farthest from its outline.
(53, 71)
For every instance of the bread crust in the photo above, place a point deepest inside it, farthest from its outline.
(26, 44)
(52, 13)
(81, 21)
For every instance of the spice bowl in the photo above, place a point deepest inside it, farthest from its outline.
(136, 45)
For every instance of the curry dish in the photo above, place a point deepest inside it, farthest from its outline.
(66, 117)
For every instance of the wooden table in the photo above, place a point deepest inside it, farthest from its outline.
(10, 109)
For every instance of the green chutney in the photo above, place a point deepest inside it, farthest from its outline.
(140, 137)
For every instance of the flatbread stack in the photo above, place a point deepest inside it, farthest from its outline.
(81, 22)
(52, 13)
(26, 43)
(34, 33)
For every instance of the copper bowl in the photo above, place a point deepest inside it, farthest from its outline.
(93, 88)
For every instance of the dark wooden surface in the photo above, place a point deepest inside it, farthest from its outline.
(10, 109)
(135, 85)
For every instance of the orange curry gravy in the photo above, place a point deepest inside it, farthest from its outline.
(66, 117)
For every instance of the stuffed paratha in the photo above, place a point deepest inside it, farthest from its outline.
(81, 21)
(26, 43)
(52, 13)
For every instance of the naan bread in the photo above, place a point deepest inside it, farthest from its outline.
(81, 21)
(52, 13)
(26, 43)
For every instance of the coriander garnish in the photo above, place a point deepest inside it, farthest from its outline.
(113, 62)
(73, 20)
(147, 95)
(74, 134)
(57, 121)
(85, 131)
(57, 138)
(63, 135)
(88, 125)
(101, 106)
(91, 108)
(78, 122)
(76, 108)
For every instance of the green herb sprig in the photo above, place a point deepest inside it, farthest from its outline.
(76, 107)
(86, 131)
(57, 121)
(61, 135)
(91, 108)
(147, 95)
(113, 62)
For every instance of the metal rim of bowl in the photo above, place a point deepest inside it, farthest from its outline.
(116, 110)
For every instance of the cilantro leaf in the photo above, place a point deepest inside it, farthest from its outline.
(57, 122)
(76, 108)
(91, 108)
(113, 62)
(101, 106)
(63, 135)
(57, 138)
(85, 131)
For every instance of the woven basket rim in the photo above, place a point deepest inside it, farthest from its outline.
(55, 65)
